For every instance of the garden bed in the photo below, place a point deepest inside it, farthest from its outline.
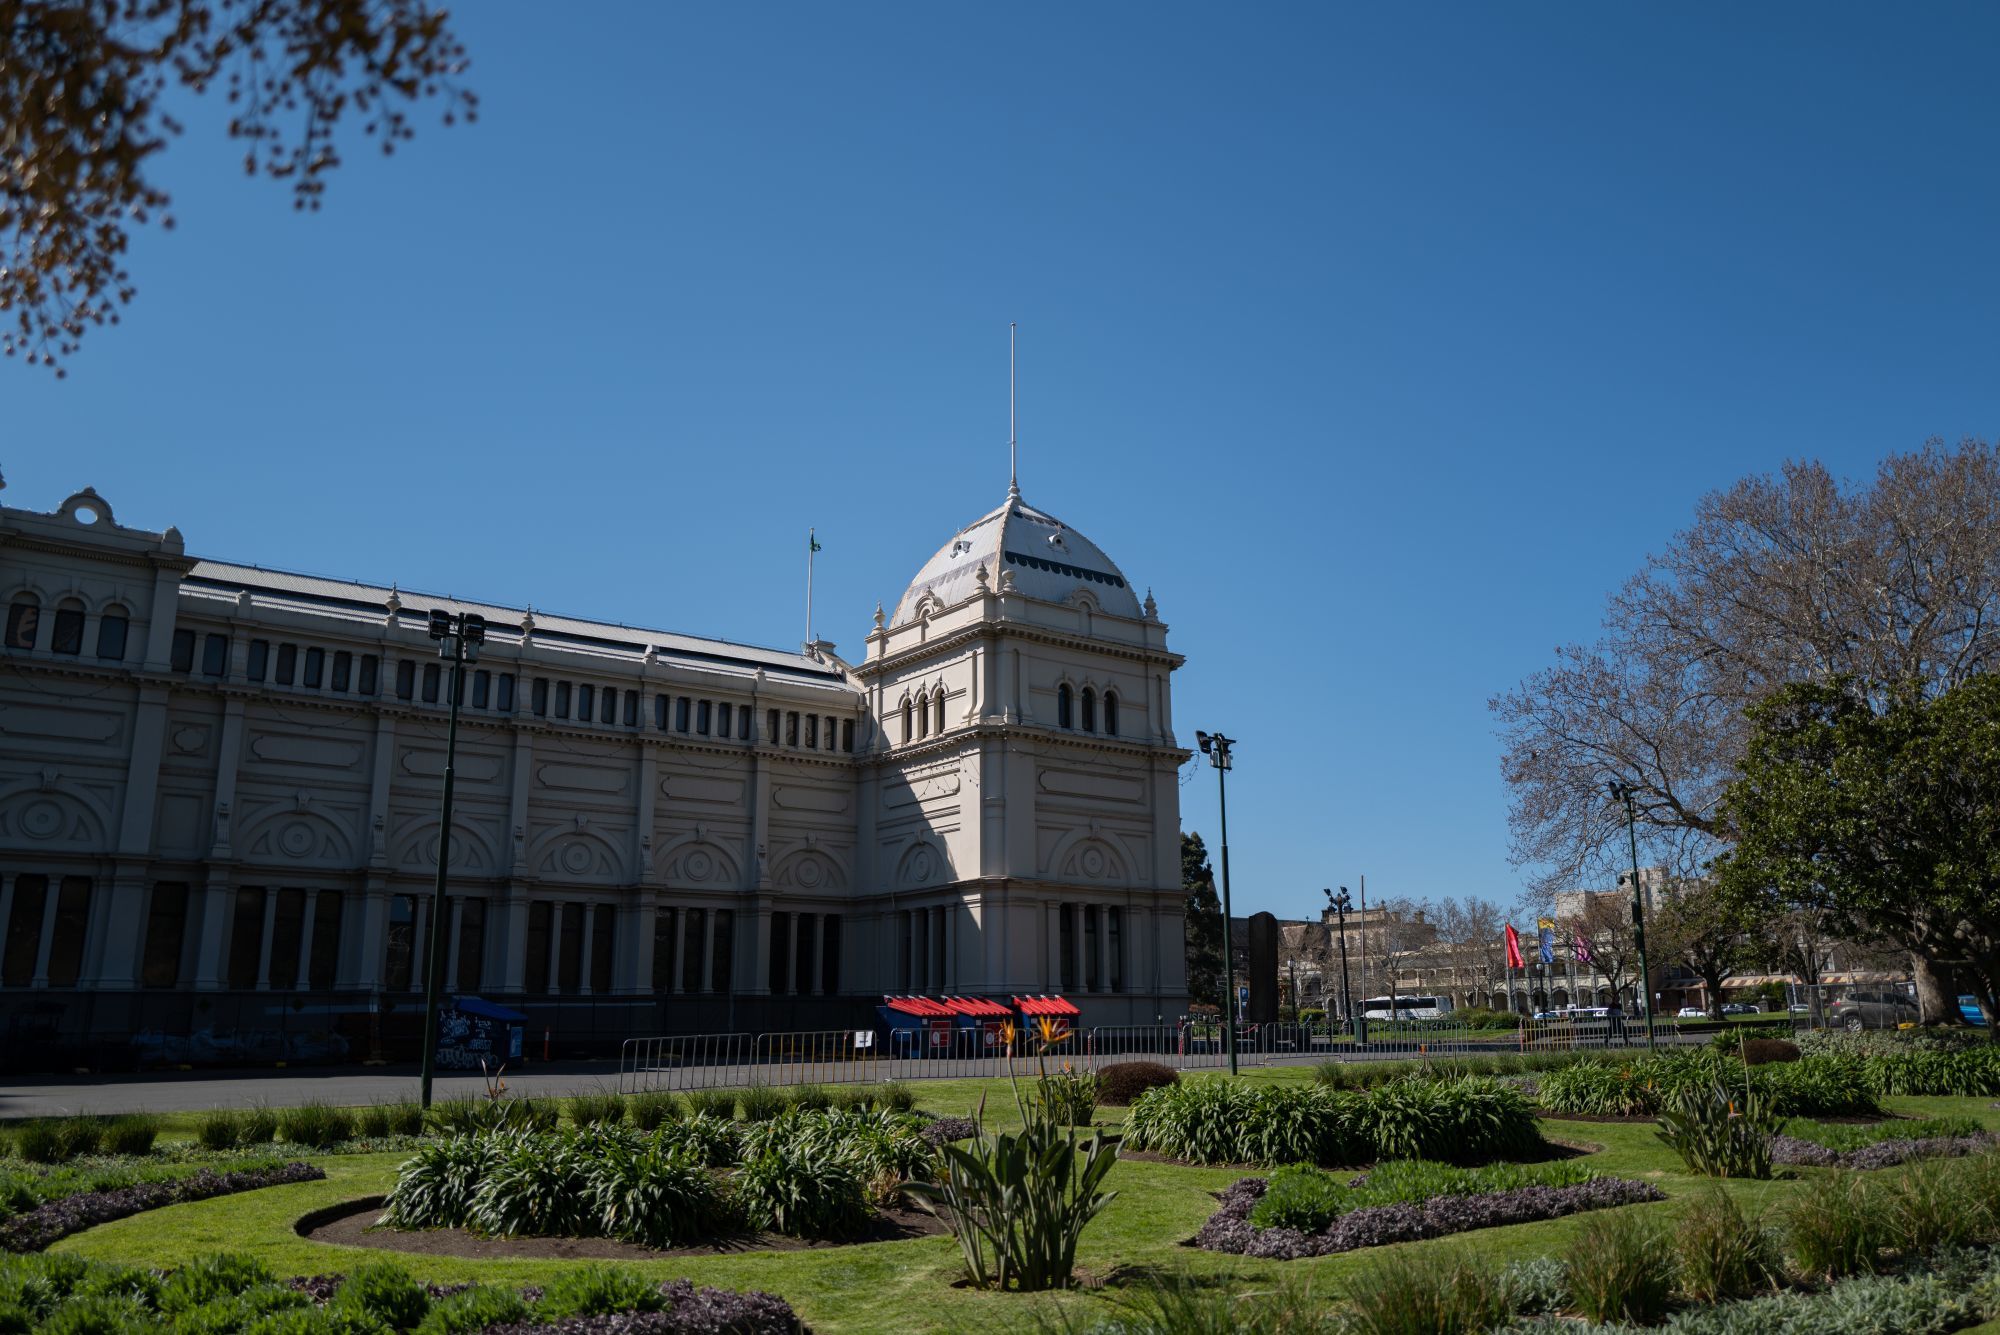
(355, 1224)
(36, 1229)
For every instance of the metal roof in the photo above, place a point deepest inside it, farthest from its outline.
(1048, 560)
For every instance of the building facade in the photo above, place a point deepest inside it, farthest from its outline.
(219, 804)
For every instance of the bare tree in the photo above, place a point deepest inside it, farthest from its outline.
(1777, 580)
(1605, 924)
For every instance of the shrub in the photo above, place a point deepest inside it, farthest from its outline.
(1122, 1082)
(206, 1278)
(653, 1194)
(1066, 1098)
(78, 1136)
(1597, 1089)
(1619, 1268)
(654, 1108)
(597, 1290)
(1308, 1199)
(713, 1140)
(372, 1122)
(317, 1125)
(1448, 1294)
(596, 1108)
(435, 1186)
(711, 1103)
(472, 1310)
(1462, 1120)
(384, 1292)
(1846, 1136)
(1758, 1051)
(809, 1098)
(1928, 1206)
(892, 1096)
(1301, 1197)
(800, 1190)
(533, 1185)
(39, 1142)
(761, 1102)
(1716, 1137)
(406, 1118)
(1832, 1227)
(1719, 1253)
(259, 1127)
(133, 1133)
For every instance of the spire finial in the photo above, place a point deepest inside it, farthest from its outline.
(1013, 421)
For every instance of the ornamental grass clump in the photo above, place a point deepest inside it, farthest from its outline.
(655, 1108)
(219, 1129)
(719, 1103)
(1620, 1268)
(597, 1107)
(597, 1290)
(319, 1126)
(1834, 1227)
(1068, 1098)
(1717, 1134)
(132, 1133)
(1018, 1202)
(1440, 1294)
(1720, 1253)
(1465, 1120)
(655, 1194)
(762, 1102)
(803, 1190)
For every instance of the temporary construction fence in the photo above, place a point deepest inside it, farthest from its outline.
(857, 1056)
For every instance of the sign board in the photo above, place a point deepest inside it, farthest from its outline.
(940, 1033)
(864, 1038)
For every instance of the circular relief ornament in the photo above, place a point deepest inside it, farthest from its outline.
(296, 839)
(699, 865)
(1093, 862)
(42, 819)
(576, 859)
(810, 873)
(920, 865)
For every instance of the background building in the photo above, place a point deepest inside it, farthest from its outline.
(219, 798)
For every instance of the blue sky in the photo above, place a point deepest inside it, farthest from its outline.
(1381, 342)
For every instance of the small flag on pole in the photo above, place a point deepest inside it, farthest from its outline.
(1545, 931)
(1582, 948)
(1514, 960)
(812, 543)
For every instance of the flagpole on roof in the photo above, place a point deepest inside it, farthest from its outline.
(812, 546)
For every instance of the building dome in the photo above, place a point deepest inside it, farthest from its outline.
(1048, 559)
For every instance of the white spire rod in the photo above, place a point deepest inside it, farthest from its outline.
(1013, 418)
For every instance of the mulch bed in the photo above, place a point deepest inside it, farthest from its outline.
(33, 1230)
(352, 1224)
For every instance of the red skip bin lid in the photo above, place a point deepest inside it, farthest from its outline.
(923, 1007)
(1046, 1006)
(978, 1008)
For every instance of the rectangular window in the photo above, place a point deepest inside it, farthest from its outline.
(743, 724)
(288, 925)
(540, 912)
(603, 945)
(406, 680)
(538, 696)
(681, 714)
(586, 700)
(1067, 946)
(259, 661)
(847, 735)
(666, 948)
(482, 687)
(908, 945)
(802, 973)
(111, 628)
(183, 655)
(781, 953)
(697, 950)
(504, 699)
(725, 722)
(24, 930)
(562, 699)
(829, 955)
(631, 709)
(24, 621)
(72, 923)
(371, 674)
(1091, 982)
(458, 685)
(771, 726)
(325, 961)
(401, 943)
(432, 674)
(246, 936)
(343, 669)
(812, 732)
(315, 667)
(792, 727)
(471, 943)
(703, 716)
(570, 977)
(166, 929)
(214, 655)
(1114, 941)
(721, 978)
(607, 705)
(67, 637)
(288, 664)
(660, 712)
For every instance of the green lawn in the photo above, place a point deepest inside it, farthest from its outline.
(908, 1285)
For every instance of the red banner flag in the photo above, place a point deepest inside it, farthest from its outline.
(1514, 948)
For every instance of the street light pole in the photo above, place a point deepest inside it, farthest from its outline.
(1625, 792)
(1341, 904)
(1216, 747)
(459, 638)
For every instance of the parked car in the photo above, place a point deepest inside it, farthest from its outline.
(1739, 1008)
(1872, 1010)
(1971, 1010)
(1692, 1013)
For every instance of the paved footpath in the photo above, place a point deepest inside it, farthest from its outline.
(183, 1091)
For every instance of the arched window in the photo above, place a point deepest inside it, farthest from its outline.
(1089, 710)
(1063, 719)
(937, 706)
(24, 621)
(1110, 714)
(923, 717)
(909, 723)
(111, 631)
(67, 637)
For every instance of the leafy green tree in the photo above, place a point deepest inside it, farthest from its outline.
(1695, 925)
(1204, 923)
(1879, 810)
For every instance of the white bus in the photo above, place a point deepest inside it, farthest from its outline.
(1406, 1008)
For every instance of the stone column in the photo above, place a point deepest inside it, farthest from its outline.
(555, 947)
(1053, 918)
(679, 981)
(1103, 947)
(707, 969)
(264, 940)
(589, 950)
(457, 923)
(48, 937)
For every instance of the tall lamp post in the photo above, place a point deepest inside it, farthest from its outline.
(1341, 903)
(1216, 747)
(1625, 792)
(459, 637)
